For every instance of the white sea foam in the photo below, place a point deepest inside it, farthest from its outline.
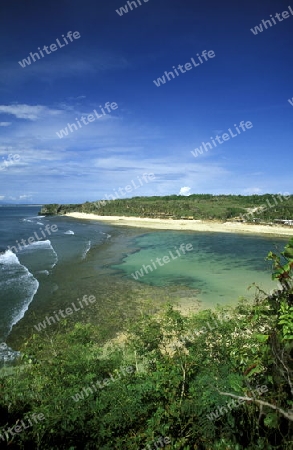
(9, 258)
(108, 235)
(22, 312)
(56, 256)
(40, 223)
(69, 232)
(29, 285)
(46, 243)
(88, 247)
(43, 245)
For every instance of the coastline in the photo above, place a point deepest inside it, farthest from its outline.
(192, 225)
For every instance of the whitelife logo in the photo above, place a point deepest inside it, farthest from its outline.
(124, 9)
(187, 66)
(166, 260)
(225, 137)
(31, 240)
(91, 118)
(21, 426)
(68, 312)
(162, 441)
(259, 28)
(146, 177)
(233, 403)
(102, 384)
(262, 208)
(53, 47)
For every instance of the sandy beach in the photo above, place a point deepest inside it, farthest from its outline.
(190, 225)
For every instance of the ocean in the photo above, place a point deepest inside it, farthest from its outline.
(91, 258)
(27, 269)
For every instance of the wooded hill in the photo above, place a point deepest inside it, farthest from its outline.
(267, 208)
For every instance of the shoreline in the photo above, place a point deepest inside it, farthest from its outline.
(185, 225)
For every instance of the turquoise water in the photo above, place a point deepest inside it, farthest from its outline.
(220, 266)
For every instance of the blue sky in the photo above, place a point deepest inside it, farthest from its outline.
(154, 128)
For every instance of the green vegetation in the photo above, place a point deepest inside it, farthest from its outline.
(197, 206)
(183, 374)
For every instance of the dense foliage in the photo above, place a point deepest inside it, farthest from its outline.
(197, 206)
(174, 376)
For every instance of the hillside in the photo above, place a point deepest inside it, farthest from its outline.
(259, 208)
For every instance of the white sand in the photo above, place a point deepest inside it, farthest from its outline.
(190, 225)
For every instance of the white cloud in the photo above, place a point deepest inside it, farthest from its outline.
(185, 191)
(23, 197)
(80, 97)
(96, 159)
(5, 124)
(27, 111)
(252, 191)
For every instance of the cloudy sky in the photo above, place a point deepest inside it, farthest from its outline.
(154, 129)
